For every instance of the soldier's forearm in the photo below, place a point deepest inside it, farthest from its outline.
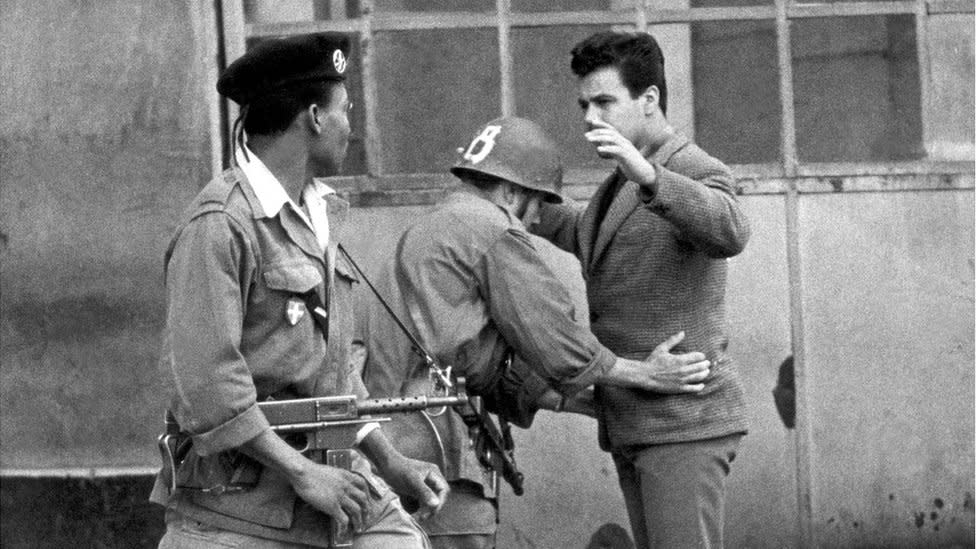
(271, 451)
(379, 449)
(625, 373)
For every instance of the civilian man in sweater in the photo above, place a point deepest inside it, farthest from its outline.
(653, 244)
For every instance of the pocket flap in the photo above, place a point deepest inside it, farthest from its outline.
(297, 276)
(344, 268)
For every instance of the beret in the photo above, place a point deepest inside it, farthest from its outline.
(277, 63)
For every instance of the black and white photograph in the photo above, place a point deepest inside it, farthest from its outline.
(488, 274)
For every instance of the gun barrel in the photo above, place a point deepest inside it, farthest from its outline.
(408, 404)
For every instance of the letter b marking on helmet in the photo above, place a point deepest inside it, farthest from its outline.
(484, 143)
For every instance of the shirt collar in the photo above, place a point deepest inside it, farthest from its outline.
(266, 186)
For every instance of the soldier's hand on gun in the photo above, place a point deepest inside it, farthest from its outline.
(611, 144)
(341, 494)
(676, 373)
(420, 480)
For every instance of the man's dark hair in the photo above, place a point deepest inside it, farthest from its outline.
(273, 113)
(635, 54)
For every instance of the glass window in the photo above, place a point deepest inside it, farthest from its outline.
(834, 1)
(529, 6)
(545, 87)
(435, 88)
(435, 5)
(736, 90)
(856, 89)
(290, 11)
(951, 100)
(728, 3)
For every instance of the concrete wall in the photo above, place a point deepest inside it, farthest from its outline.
(105, 136)
(888, 307)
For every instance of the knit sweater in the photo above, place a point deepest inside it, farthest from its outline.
(655, 265)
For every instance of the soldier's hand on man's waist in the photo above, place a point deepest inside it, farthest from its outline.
(671, 373)
(662, 371)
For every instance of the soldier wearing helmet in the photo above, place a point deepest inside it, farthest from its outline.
(471, 284)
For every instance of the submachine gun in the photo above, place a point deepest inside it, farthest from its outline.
(492, 444)
(323, 428)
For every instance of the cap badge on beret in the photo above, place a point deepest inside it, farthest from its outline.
(339, 61)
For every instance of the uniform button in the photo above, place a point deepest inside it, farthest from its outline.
(594, 317)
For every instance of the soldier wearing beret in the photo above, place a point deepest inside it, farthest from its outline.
(253, 255)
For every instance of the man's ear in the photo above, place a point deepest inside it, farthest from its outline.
(314, 116)
(510, 193)
(652, 96)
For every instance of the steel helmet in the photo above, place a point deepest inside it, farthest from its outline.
(516, 150)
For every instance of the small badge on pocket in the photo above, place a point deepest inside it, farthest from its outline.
(294, 310)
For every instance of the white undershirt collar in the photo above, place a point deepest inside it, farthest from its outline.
(272, 196)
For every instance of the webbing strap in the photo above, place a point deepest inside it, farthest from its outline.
(443, 374)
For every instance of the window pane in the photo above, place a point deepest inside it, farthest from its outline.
(734, 75)
(435, 87)
(545, 87)
(834, 1)
(355, 163)
(567, 5)
(856, 89)
(290, 11)
(950, 111)
(435, 5)
(728, 3)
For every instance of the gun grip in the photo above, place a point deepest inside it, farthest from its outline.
(516, 480)
(341, 537)
(167, 450)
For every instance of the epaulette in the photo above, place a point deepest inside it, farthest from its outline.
(215, 195)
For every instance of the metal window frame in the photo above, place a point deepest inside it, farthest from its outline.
(773, 178)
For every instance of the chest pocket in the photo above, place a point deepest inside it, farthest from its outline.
(295, 276)
(640, 226)
(650, 231)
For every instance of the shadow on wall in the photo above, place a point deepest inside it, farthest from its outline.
(610, 536)
(784, 394)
